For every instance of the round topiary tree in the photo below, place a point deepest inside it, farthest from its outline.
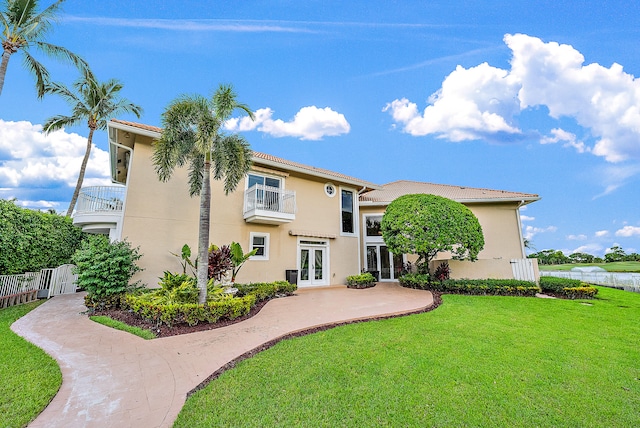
(428, 224)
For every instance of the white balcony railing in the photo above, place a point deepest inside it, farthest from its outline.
(100, 209)
(96, 199)
(269, 205)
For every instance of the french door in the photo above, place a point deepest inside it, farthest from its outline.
(380, 259)
(312, 265)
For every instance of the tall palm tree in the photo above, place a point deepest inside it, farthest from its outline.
(23, 27)
(192, 134)
(91, 101)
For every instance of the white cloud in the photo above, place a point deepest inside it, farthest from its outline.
(310, 123)
(615, 176)
(527, 218)
(569, 139)
(197, 25)
(577, 237)
(482, 101)
(593, 249)
(628, 231)
(33, 164)
(472, 104)
(38, 204)
(531, 231)
(602, 233)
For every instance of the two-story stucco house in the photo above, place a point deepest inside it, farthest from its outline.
(319, 223)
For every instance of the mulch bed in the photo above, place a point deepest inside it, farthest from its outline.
(134, 320)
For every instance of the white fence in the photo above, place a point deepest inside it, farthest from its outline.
(523, 269)
(624, 281)
(18, 289)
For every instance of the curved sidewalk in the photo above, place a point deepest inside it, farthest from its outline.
(113, 378)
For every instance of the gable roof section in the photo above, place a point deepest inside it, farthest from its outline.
(259, 158)
(393, 190)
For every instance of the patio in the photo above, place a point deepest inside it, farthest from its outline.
(113, 378)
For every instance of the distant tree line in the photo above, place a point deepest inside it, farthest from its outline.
(557, 257)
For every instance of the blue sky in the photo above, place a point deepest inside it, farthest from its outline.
(531, 96)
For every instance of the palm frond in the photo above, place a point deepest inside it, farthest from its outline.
(235, 161)
(196, 174)
(64, 54)
(163, 159)
(40, 73)
(58, 122)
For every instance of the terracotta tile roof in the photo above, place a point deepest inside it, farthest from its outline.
(393, 190)
(312, 170)
(276, 161)
(138, 125)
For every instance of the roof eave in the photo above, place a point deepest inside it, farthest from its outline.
(524, 201)
(355, 183)
(134, 129)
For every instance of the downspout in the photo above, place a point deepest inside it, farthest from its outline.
(119, 224)
(360, 242)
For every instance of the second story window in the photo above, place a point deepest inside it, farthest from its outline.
(267, 194)
(347, 208)
(263, 180)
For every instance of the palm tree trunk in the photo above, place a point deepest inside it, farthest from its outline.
(6, 53)
(83, 168)
(203, 232)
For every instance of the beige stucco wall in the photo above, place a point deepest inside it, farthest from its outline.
(161, 218)
(501, 229)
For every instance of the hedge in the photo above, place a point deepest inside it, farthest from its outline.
(33, 240)
(147, 305)
(265, 290)
(191, 313)
(568, 288)
(501, 287)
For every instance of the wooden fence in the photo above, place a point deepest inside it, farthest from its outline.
(18, 289)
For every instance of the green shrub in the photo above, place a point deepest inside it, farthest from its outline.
(502, 287)
(265, 290)
(415, 280)
(112, 301)
(364, 280)
(557, 285)
(104, 268)
(179, 305)
(566, 287)
(190, 313)
(32, 240)
(585, 291)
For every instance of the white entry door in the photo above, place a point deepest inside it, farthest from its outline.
(312, 265)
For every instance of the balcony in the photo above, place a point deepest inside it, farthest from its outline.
(99, 209)
(269, 205)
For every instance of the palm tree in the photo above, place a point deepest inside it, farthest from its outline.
(94, 102)
(192, 134)
(24, 28)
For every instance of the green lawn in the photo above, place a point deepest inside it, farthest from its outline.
(118, 325)
(474, 361)
(611, 267)
(29, 378)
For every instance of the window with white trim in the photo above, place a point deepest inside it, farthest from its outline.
(264, 180)
(259, 241)
(347, 207)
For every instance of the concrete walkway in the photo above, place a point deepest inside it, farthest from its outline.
(115, 379)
